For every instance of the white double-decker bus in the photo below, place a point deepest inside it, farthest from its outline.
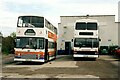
(36, 39)
(86, 38)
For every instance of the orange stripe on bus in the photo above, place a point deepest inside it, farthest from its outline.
(22, 52)
(42, 53)
(51, 52)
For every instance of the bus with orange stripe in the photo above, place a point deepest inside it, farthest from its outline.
(35, 39)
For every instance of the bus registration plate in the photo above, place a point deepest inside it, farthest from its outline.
(86, 56)
(28, 59)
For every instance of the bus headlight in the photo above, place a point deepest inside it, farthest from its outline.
(18, 54)
(96, 52)
(75, 49)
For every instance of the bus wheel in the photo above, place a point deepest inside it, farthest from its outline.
(96, 59)
(47, 57)
(74, 58)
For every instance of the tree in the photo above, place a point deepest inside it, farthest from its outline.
(8, 43)
(13, 35)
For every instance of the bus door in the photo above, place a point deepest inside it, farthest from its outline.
(46, 50)
(55, 49)
(68, 48)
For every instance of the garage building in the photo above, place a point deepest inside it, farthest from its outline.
(108, 31)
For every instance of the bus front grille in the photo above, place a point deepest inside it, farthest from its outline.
(28, 56)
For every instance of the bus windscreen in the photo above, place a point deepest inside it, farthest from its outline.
(30, 43)
(30, 21)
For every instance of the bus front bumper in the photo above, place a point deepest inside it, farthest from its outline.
(82, 55)
(31, 60)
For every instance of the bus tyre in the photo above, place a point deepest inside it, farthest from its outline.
(55, 56)
(95, 59)
(74, 58)
(48, 57)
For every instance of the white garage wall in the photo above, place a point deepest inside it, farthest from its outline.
(108, 29)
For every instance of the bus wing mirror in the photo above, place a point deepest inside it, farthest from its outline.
(72, 40)
(99, 39)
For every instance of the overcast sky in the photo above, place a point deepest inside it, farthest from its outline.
(52, 10)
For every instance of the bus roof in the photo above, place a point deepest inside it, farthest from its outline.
(87, 20)
(30, 16)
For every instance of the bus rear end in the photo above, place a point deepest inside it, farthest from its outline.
(86, 38)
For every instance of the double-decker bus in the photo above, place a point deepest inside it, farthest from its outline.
(86, 38)
(35, 39)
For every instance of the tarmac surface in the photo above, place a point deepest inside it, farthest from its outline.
(106, 66)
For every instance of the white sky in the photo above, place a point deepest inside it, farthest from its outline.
(52, 10)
